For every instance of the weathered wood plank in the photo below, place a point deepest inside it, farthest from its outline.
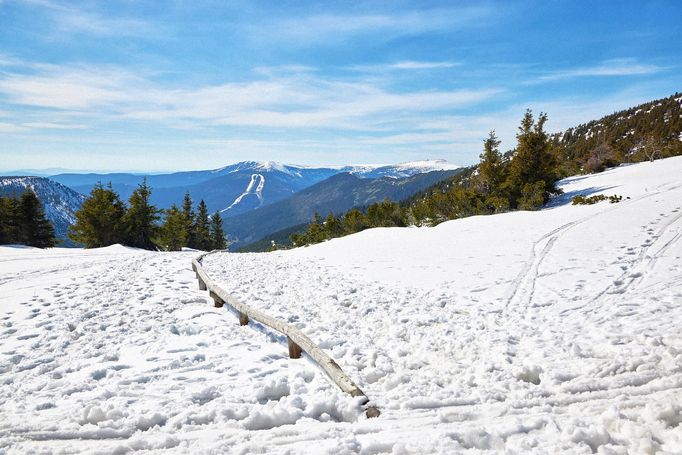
(294, 336)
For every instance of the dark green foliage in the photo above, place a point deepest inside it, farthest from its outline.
(23, 221)
(218, 240)
(589, 200)
(493, 171)
(173, 233)
(8, 220)
(189, 217)
(141, 219)
(523, 179)
(100, 220)
(202, 229)
(354, 221)
(533, 168)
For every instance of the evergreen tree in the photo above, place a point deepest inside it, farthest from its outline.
(202, 230)
(533, 162)
(189, 219)
(100, 220)
(218, 240)
(8, 217)
(33, 227)
(140, 219)
(491, 169)
(492, 173)
(333, 227)
(354, 221)
(172, 234)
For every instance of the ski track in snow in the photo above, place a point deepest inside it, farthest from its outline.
(555, 331)
(255, 186)
(551, 350)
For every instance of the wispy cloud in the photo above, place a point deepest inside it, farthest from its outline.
(411, 65)
(608, 68)
(408, 65)
(319, 28)
(70, 19)
(279, 101)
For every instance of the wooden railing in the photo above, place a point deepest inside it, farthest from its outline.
(296, 340)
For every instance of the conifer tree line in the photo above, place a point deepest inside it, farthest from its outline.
(523, 178)
(104, 219)
(23, 221)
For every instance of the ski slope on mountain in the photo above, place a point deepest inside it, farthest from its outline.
(556, 330)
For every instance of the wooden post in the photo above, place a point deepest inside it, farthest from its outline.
(372, 412)
(294, 349)
(217, 301)
(243, 319)
(202, 285)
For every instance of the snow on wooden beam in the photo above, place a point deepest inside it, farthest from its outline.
(296, 340)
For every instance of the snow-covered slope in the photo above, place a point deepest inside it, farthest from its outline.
(115, 350)
(60, 202)
(555, 331)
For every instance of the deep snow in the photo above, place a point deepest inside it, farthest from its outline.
(555, 331)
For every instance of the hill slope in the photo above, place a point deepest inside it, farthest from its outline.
(334, 195)
(556, 329)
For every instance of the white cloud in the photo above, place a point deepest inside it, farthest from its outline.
(69, 19)
(319, 28)
(608, 68)
(411, 65)
(11, 128)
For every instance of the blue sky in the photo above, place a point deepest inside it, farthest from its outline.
(171, 85)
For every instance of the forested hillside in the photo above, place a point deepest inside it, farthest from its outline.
(525, 177)
(648, 131)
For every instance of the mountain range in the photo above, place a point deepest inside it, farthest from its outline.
(240, 187)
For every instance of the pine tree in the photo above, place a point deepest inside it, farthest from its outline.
(354, 221)
(100, 220)
(202, 230)
(140, 219)
(491, 169)
(533, 162)
(218, 240)
(8, 231)
(172, 234)
(33, 227)
(333, 227)
(189, 218)
(492, 173)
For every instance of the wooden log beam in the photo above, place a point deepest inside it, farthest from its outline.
(301, 341)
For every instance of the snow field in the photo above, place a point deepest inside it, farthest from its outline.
(550, 331)
(115, 350)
